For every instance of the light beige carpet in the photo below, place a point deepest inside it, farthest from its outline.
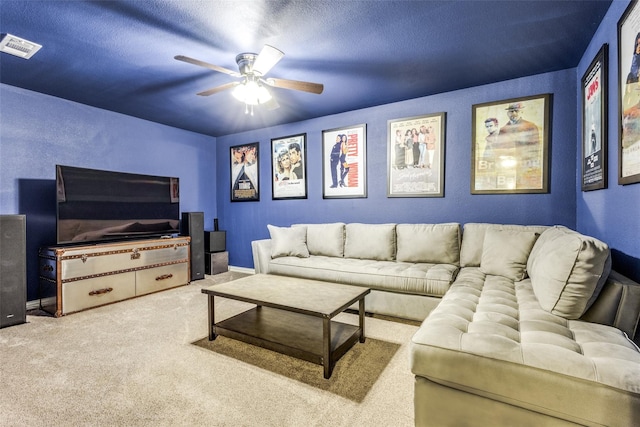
(136, 363)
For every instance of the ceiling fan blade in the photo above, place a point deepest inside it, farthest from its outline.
(207, 65)
(316, 88)
(218, 89)
(267, 58)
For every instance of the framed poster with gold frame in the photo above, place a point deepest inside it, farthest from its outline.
(510, 146)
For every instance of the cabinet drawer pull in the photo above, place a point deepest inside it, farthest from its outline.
(164, 277)
(101, 291)
(47, 268)
(135, 254)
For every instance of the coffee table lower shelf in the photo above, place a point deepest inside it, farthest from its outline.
(294, 334)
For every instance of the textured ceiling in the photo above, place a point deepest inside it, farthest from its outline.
(119, 55)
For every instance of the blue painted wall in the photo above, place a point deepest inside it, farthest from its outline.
(247, 221)
(611, 214)
(39, 131)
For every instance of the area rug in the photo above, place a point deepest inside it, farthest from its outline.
(353, 375)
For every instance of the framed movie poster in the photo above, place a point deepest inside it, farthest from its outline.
(288, 167)
(594, 123)
(510, 144)
(344, 168)
(629, 95)
(415, 156)
(244, 173)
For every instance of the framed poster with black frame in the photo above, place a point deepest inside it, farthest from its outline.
(594, 123)
(510, 146)
(629, 95)
(245, 186)
(344, 162)
(415, 156)
(288, 167)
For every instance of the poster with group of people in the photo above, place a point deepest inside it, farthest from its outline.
(416, 156)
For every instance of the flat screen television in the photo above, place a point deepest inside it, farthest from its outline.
(96, 205)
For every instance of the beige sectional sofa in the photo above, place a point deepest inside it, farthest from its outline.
(523, 325)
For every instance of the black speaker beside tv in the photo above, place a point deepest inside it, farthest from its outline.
(13, 270)
(193, 226)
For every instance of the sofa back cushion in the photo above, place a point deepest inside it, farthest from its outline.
(429, 243)
(325, 239)
(288, 241)
(473, 240)
(505, 253)
(567, 271)
(370, 241)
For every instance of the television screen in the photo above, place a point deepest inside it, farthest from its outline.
(96, 205)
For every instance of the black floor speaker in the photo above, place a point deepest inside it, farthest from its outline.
(193, 226)
(13, 270)
(215, 241)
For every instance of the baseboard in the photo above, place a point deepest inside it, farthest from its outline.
(242, 269)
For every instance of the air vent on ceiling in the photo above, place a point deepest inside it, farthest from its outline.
(19, 47)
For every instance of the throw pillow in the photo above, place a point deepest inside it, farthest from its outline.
(505, 253)
(370, 241)
(567, 271)
(288, 241)
(429, 243)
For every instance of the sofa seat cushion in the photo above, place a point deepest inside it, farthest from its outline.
(489, 336)
(402, 277)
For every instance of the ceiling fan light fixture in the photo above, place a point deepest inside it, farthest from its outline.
(251, 92)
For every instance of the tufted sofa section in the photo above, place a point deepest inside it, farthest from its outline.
(499, 351)
(490, 337)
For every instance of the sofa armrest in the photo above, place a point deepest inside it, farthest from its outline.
(618, 305)
(261, 250)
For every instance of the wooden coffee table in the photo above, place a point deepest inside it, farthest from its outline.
(292, 316)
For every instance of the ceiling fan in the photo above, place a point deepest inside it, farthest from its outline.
(252, 69)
